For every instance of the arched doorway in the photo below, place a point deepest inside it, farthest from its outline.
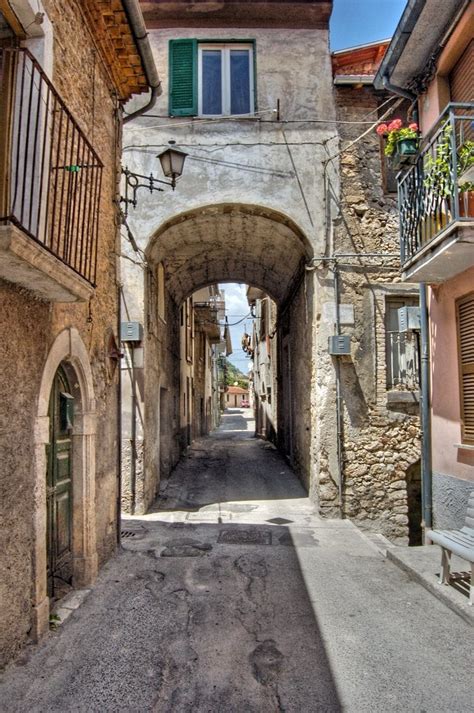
(67, 371)
(59, 487)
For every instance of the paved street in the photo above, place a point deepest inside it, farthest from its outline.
(232, 596)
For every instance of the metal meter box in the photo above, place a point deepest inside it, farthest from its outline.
(131, 332)
(409, 319)
(339, 345)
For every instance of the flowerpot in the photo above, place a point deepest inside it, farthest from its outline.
(466, 204)
(406, 153)
(407, 148)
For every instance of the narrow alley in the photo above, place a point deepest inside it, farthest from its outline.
(231, 595)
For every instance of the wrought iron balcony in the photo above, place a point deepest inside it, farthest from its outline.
(50, 186)
(436, 200)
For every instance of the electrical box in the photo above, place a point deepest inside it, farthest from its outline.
(339, 345)
(409, 319)
(131, 332)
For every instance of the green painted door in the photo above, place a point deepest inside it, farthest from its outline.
(59, 487)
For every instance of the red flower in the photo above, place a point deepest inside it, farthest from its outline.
(381, 129)
(395, 125)
(413, 126)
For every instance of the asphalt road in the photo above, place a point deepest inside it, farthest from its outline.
(232, 596)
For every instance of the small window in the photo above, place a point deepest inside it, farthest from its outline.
(211, 78)
(465, 327)
(401, 349)
(225, 79)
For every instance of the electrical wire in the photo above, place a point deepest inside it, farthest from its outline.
(359, 138)
(213, 120)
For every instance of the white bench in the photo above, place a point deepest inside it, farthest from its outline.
(460, 542)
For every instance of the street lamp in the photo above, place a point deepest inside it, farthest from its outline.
(172, 163)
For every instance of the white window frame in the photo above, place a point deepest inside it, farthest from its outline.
(226, 49)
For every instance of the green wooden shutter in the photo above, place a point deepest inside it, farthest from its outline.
(183, 78)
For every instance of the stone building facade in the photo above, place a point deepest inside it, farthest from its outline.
(264, 360)
(66, 69)
(267, 198)
(378, 454)
(183, 407)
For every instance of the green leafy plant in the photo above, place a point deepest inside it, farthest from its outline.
(439, 166)
(54, 621)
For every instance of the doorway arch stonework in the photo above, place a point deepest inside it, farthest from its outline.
(68, 351)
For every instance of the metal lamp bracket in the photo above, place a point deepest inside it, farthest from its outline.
(135, 181)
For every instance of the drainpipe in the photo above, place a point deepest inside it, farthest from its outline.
(133, 436)
(337, 365)
(119, 420)
(137, 24)
(402, 93)
(426, 483)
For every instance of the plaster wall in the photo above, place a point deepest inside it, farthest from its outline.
(437, 94)
(246, 161)
(31, 327)
(449, 458)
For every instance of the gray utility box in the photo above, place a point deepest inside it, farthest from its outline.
(131, 332)
(409, 319)
(339, 345)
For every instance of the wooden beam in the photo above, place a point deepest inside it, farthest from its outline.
(12, 19)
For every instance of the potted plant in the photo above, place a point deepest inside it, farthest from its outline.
(401, 142)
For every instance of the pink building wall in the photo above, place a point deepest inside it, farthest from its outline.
(436, 97)
(448, 457)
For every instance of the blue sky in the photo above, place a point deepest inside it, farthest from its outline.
(355, 22)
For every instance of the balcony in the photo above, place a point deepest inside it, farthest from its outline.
(436, 201)
(50, 186)
(207, 320)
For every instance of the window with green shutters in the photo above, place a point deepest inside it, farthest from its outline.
(183, 77)
(211, 78)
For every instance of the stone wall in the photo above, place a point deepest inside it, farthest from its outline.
(31, 326)
(380, 432)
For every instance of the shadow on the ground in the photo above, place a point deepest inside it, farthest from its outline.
(187, 617)
(256, 611)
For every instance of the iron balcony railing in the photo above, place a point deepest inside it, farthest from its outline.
(50, 176)
(437, 191)
(403, 363)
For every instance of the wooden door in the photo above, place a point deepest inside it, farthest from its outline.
(59, 487)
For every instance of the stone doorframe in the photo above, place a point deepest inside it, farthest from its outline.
(69, 351)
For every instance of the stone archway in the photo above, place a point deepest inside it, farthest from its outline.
(230, 242)
(209, 245)
(69, 352)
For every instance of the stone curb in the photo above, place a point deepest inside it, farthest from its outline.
(433, 587)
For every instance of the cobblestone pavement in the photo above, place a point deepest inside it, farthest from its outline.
(232, 596)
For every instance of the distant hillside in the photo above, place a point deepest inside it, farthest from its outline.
(233, 374)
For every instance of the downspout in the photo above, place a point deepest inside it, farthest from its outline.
(119, 425)
(133, 436)
(137, 24)
(337, 365)
(426, 484)
(406, 93)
